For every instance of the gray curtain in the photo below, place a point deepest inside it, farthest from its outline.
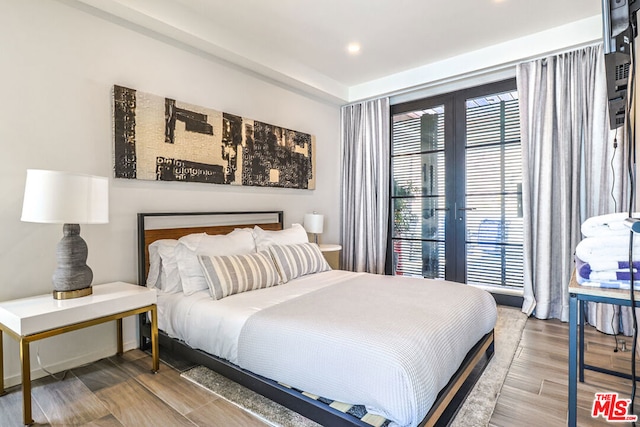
(365, 185)
(571, 172)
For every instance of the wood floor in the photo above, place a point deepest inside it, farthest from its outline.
(120, 391)
(535, 390)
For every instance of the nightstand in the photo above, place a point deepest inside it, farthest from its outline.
(332, 255)
(34, 318)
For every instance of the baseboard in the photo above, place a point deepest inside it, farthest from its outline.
(504, 295)
(63, 365)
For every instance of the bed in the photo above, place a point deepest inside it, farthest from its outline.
(407, 350)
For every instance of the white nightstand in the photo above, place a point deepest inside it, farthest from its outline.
(35, 318)
(331, 254)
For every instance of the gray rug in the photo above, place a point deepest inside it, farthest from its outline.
(261, 407)
(475, 412)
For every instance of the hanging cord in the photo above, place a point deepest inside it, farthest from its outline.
(615, 209)
(60, 376)
(615, 331)
(613, 172)
(51, 374)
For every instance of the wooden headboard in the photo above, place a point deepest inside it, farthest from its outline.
(173, 225)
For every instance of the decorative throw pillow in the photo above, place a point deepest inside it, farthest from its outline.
(232, 274)
(288, 236)
(298, 260)
(239, 241)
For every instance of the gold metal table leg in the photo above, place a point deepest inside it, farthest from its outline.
(120, 345)
(26, 381)
(154, 339)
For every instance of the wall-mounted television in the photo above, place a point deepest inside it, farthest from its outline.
(619, 28)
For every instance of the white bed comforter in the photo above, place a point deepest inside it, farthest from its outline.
(214, 326)
(385, 342)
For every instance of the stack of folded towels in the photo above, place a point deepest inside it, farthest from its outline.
(602, 257)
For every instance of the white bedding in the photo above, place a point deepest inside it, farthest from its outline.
(402, 390)
(182, 316)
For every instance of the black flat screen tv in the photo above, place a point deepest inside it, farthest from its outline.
(618, 23)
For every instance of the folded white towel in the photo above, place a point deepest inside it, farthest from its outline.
(606, 225)
(604, 265)
(621, 284)
(611, 248)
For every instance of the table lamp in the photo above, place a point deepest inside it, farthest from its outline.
(71, 199)
(313, 224)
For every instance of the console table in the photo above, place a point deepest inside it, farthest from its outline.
(34, 318)
(578, 296)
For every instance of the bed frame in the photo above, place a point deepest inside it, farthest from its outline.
(443, 410)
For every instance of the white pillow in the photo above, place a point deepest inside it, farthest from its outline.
(154, 264)
(289, 236)
(163, 269)
(238, 242)
(170, 281)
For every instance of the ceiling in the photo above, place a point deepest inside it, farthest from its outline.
(306, 40)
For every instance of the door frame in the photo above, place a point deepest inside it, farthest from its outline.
(455, 173)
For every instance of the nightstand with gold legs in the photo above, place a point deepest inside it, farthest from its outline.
(36, 318)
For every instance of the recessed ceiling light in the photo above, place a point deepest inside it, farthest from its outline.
(353, 48)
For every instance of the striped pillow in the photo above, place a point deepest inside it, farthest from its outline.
(232, 274)
(298, 260)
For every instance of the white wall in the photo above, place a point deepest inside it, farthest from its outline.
(57, 68)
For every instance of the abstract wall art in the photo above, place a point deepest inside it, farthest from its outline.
(162, 139)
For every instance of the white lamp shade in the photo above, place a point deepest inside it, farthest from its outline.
(65, 198)
(313, 223)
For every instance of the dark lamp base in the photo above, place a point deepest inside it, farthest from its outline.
(77, 293)
(72, 277)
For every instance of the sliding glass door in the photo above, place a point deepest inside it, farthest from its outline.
(456, 187)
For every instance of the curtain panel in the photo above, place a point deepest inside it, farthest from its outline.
(365, 185)
(572, 171)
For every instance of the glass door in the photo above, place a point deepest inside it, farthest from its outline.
(456, 173)
(492, 201)
(418, 192)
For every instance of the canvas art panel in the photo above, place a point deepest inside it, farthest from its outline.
(162, 139)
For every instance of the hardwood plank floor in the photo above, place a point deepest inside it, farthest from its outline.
(535, 389)
(122, 392)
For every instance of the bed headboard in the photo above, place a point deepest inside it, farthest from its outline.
(173, 225)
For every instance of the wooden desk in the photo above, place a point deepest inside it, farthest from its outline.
(578, 296)
(35, 318)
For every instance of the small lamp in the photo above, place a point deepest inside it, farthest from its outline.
(71, 199)
(313, 224)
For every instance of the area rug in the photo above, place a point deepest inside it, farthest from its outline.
(475, 412)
